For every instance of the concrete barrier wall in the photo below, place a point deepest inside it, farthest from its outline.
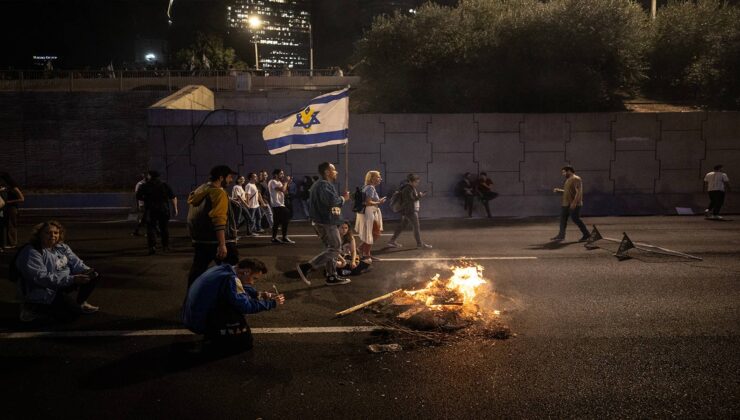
(630, 163)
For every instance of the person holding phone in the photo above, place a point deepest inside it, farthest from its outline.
(409, 210)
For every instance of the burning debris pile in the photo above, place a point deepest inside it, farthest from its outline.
(460, 306)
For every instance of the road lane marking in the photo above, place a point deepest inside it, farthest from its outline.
(456, 258)
(179, 332)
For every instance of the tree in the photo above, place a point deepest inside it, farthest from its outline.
(209, 51)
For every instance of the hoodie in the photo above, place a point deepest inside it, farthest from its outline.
(210, 211)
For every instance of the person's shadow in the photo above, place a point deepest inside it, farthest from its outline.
(552, 245)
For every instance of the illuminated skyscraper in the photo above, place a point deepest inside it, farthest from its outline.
(283, 35)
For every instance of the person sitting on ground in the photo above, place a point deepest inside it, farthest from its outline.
(485, 191)
(220, 297)
(349, 262)
(47, 272)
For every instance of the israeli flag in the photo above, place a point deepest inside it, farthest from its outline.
(322, 122)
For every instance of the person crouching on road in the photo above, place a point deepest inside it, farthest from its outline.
(47, 271)
(220, 297)
(211, 223)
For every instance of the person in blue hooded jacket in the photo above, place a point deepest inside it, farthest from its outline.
(220, 297)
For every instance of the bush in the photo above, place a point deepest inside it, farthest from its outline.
(695, 53)
(504, 56)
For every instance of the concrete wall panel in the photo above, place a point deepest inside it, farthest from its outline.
(680, 150)
(544, 132)
(590, 150)
(635, 172)
(540, 172)
(506, 183)
(590, 122)
(306, 161)
(255, 163)
(730, 159)
(722, 130)
(366, 133)
(360, 164)
(405, 123)
(636, 131)
(451, 133)
(678, 181)
(447, 169)
(406, 152)
(499, 122)
(681, 121)
(499, 152)
(595, 182)
(216, 146)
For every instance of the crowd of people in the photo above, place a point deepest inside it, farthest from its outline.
(53, 282)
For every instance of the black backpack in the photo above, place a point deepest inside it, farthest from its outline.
(359, 201)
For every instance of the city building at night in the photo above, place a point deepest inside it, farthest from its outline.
(279, 29)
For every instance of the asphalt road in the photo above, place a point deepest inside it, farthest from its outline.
(652, 336)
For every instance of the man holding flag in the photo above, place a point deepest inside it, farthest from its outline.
(323, 122)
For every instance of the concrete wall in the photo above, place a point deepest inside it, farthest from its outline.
(630, 163)
(77, 141)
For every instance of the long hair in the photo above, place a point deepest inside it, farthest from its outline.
(35, 240)
(370, 175)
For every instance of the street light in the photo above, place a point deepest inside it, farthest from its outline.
(310, 46)
(255, 23)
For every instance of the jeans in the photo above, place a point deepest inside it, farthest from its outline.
(156, 220)
(716, 200)
(267, 212)
(409, 219)
(329, 235)
(468, 204)
(574, 214)
(254, 216)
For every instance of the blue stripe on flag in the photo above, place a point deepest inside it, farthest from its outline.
(330, 98)
(318, 138)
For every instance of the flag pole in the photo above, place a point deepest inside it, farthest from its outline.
(346, 166)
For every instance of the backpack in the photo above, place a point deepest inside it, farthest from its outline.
(359, 201)
(397, 201)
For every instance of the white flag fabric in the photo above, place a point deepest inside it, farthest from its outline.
(323, 122)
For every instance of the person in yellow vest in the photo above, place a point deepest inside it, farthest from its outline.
(571, 204)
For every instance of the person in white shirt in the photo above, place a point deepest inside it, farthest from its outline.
(716, 183)
(252, 194)
(239, 197)
(277, 187)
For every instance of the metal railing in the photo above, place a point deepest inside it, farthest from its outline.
(169, 80)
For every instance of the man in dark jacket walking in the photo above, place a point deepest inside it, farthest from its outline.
(156, 196)
(325, 211)
(409, 210)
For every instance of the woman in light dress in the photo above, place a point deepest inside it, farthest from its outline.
(369, 223)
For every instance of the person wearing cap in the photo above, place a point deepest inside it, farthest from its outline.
(220, 297)
(211, 223)
(157, 196)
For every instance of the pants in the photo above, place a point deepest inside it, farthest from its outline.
(205, 253)
(267, 212)
(140, 219)
(305, 207)
(63, 306)
(329, 235)
(409, 219)
(281, 219)
(157, 220)
(243, 217)
(11, 223)
(716, 200)
(574, 214)
(254, 216)
(468, 205)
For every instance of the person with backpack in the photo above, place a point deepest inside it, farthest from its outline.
(47, 271)
(369, 221)
(157, 196)
(406, 202)
(211, 223)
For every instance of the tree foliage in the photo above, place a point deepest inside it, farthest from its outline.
(695, 52)
(212, 48)
(503, 56)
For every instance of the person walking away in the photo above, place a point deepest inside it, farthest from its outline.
(278, 187)
(325, 212)
(466, 188)
(219, 299)
(408, 207)
(139, 206)
(211, 223)
(10, 211)
(252, 194)
(157, 196)
(716, 183)
(485, 191)
(571, 203)
(369, 223)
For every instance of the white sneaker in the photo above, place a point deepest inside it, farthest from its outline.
(393, 244)
(86, 308)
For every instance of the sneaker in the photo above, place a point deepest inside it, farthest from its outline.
(276, 241)
(303, 271)
(337, 280)
(28, 314)
(86, 308)
(287, 240)
(423, 246)
(584, 238)
(393, 244)
(557, 238)
(718, 217)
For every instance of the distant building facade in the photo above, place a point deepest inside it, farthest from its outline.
(283, 37)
